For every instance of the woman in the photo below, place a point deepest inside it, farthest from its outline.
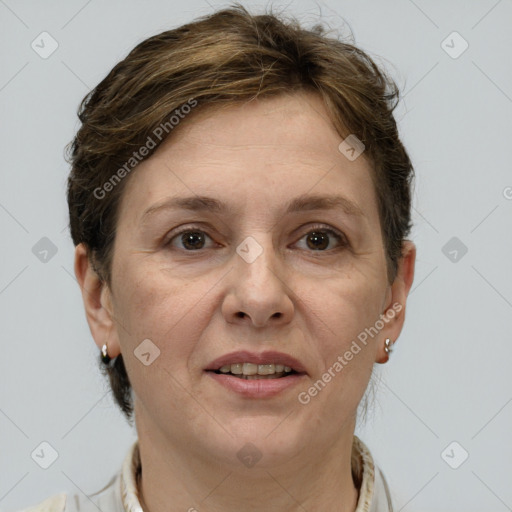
(239, 202)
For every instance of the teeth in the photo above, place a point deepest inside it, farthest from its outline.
(266, 369)
(251, 369)
(236, 369)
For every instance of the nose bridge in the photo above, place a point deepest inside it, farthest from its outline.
(259, 263)
(258, 291)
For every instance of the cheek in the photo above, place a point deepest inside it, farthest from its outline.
(340, 308)
(166, 310)
(336, 319)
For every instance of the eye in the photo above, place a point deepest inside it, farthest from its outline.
(191, 239)
(319, 238)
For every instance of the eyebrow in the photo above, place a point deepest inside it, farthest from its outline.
(302, 203)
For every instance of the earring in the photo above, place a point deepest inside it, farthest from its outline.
(104, 354)
(388, 346)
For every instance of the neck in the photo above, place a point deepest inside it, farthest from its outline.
(173, 479)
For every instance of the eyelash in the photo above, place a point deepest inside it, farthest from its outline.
(343, 242)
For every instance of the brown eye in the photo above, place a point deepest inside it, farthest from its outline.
(317, 240)
(324, 239)
(189, 240)
(193, 239)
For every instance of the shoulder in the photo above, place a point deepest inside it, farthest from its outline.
(56, 503)
(107, 499)
(381, 494)
(374, 494)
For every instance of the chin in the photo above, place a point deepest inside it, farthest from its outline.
(264, 441)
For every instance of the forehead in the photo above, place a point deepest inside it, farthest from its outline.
(263, 151)
(288, 125)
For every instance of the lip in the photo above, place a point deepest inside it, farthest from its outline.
(259, 388)
(267, 357)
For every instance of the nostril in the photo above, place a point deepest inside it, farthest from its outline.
(241, 314)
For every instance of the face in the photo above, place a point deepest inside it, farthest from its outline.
(266, 266)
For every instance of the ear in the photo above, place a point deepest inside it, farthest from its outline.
(394, 313)
(97, 302)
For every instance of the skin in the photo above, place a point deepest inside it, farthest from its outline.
(255, 157)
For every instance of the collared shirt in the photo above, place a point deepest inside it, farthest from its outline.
(121, 494)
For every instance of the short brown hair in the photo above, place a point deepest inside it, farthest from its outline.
(216, 61)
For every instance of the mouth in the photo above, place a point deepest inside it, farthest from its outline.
(253, 366)
(257, 376)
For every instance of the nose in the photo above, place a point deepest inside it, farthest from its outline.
(258, 293)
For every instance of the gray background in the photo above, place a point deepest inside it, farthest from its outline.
(449, 378)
